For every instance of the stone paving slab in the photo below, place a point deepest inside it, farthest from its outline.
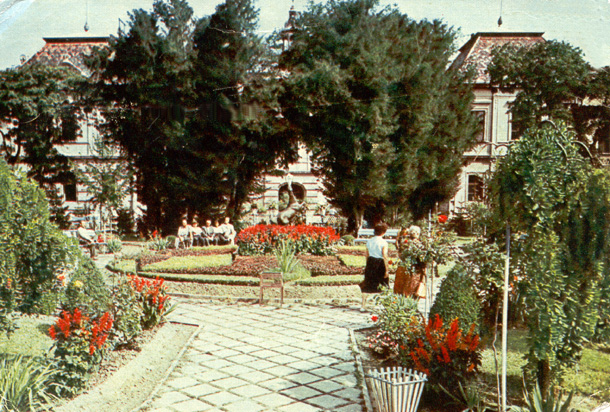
(251, 358)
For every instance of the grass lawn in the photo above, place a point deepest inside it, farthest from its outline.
(30, 339)
(590, 380)
(189, 262)
(353, 260)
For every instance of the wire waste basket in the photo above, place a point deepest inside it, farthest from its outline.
(397, 389)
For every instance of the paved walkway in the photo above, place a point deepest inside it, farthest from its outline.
(250, 358)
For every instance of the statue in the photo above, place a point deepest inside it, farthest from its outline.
(290, 214)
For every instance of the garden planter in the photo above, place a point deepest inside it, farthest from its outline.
(397, 389)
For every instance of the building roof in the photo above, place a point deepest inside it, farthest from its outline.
(477, 51)
(67, 51)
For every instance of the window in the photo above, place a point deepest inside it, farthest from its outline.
(70, 192)
(476, 188)
(480, 114)
(514, 135)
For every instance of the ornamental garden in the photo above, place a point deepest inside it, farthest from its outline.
(557, 320)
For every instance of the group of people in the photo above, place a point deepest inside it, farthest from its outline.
(208, 235)
(408, 281)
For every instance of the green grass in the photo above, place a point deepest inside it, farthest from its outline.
(345, 280)
(211, 279)
(353, 260)
(123, 265)
(190, 262)
(590, 380)
(30, 339)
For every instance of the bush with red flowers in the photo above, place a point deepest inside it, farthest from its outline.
(153, 297)
(263, 239)
(80, 343)
(448, 355)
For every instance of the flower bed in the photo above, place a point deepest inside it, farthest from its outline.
(263, 239)
(328, 266)
(242, 266)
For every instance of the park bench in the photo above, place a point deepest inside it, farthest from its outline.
(365, 234)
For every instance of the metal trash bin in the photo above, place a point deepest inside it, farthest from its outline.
(397, 389)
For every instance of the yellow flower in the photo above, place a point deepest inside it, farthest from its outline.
(78, 284)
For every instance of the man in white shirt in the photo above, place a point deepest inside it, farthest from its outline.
(86, 237)
(185, 235)
(227, 232)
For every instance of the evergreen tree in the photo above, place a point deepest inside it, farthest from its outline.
(37, 105)
(177, 90)
(369, 93)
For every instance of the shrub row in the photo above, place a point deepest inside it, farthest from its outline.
(242, 266)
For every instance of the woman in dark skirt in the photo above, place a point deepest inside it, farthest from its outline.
(375, 273)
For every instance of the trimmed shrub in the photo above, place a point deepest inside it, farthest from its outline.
(87, 290)
(263, 239)
(457, 299)
(32, 249)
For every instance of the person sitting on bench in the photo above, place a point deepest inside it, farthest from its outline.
(185, 236)
(208, 233)
(86, 237)
(196, 233)
(227, 233)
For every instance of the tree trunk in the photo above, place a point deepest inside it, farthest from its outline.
(544, 377)
(354, 222)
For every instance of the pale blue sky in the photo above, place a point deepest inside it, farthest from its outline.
(583, 23)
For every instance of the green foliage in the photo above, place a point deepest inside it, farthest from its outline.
(536, 402)
(29, 339)
(394, 313)
(87, 290)
(348, 240)
(189, 262)
(37, 100)
(107, 178)
(485, 265)
(114, 245)
(457, 298)
(370, 93)
(127, 313)
(176, 92)
(158, 244)
(544, 189)
(298, 273)
(25, 383)
(286, 257)
(32, 250)
(552, 80)
(153, 299)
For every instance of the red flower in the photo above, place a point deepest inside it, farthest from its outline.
(442, 218)
(374, 318)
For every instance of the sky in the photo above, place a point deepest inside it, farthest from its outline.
(582, 23)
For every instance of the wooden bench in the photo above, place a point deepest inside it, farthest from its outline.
(365, 234)
(271, 280)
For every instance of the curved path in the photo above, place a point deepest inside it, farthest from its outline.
(250, 358)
